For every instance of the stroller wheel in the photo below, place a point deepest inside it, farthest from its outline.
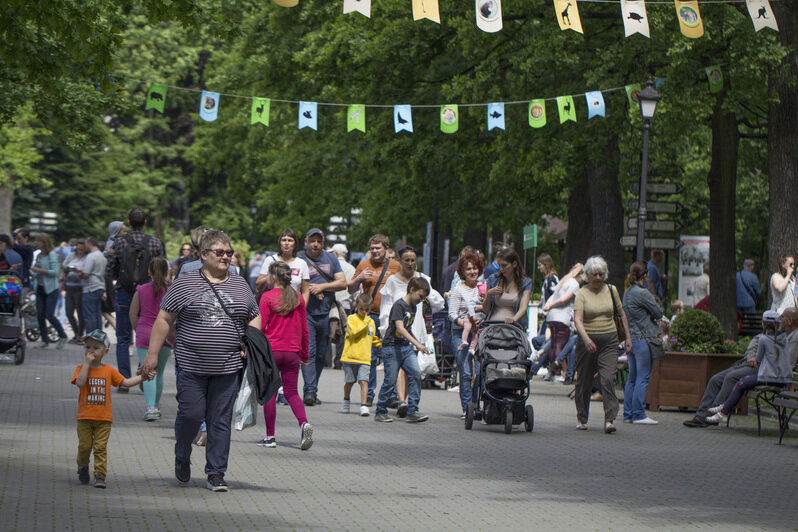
(469, 420)
(19, 355)
(32, 333)
(529, 418)
(508, 421)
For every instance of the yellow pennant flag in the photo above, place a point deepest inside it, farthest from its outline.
(568, 15)
(426, 9)
(689, 18)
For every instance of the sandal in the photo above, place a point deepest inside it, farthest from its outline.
(201, 439)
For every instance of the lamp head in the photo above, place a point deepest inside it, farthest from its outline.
(648, 98)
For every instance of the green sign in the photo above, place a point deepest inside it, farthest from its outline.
(530, 236)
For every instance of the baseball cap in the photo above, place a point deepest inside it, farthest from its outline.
(340, 248)
(99, 336)
(771, 316)
(114, 228)
(314, 231)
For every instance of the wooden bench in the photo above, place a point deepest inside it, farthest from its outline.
(769, 395)
(784, 403)
(751, 323)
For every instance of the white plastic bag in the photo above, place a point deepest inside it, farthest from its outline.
(246, 407)
(426, 362)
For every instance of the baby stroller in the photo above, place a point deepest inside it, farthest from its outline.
(503, 352)
(11, 335)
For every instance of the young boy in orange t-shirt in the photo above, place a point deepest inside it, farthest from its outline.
(94, 405)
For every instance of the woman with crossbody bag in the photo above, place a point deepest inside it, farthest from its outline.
(597, 348)
(641, 310)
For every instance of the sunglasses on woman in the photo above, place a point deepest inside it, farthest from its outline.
(222, 252)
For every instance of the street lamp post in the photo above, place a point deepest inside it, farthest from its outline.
(648, 98)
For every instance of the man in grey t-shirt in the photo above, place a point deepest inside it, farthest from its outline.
(93, 278)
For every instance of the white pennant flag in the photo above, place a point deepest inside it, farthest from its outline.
(635, 19)
(489, 15)
(761, 14)
(361, 6)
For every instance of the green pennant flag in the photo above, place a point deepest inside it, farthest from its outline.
(260, 111)
(715, 76)
(631, 94)
(565, 105)
(356, 118)
(449, 118)
(537, 113)
(156, 97)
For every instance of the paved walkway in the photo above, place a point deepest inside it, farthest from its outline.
(361, 475)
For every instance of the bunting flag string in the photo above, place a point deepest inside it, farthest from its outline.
(307, 111)
(488, 13)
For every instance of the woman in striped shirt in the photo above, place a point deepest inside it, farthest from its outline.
(212, 309)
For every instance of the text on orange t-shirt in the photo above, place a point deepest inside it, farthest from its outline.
(94, 401)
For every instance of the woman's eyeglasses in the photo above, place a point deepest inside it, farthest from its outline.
(222, 252)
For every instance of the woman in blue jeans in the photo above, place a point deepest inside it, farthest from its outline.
(641, 312)
(45, 282)
(469, 268)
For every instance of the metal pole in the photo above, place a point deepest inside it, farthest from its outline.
(641, 205)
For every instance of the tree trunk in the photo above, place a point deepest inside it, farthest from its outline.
(6, 203)
(722, 181)
(782, 142)
(577, 238)
(607, 210)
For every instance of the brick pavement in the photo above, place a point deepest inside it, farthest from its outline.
(368, 476)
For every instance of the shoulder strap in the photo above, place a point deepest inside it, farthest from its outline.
(745, 287)
(612, 297)
(316, 264)
(221, 302)
(379, 281)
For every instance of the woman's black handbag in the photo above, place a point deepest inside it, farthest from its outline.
(656, 348)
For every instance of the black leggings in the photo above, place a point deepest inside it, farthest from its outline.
(74, 302)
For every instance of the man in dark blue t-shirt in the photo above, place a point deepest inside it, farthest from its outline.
(326, 278)
(748, 288)
(654, 278)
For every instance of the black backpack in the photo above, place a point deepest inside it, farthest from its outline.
(134, 263)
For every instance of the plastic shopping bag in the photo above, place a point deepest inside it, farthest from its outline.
(426, 362)
(246, 407)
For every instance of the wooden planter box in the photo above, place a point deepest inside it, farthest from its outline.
(679, 380)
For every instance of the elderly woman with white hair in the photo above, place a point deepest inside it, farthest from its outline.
(597, 347)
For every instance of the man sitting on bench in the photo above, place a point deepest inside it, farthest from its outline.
(720, 385)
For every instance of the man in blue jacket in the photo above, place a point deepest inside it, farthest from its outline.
(748, 288)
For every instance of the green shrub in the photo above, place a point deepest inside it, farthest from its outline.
(696, 331)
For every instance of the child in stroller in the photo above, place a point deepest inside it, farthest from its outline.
(11, 334)
(503, 352)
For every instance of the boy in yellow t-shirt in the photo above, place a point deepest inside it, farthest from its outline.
(361, 335)
(94, 405)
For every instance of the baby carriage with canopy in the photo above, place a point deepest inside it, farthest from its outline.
(503, 355)
(11, 335)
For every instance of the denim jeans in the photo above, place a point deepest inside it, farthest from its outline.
(468, 392)
(124, 334)
(567, 353)
(208, 397)
(634, 393)
(318, 344)
(394, 358)
(93, 312)
(45, 311)
(375, 354)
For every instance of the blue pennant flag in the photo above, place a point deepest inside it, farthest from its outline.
(659, 82)
(402, 118)
(595, 104)
(308, 112)
(495, 116)
(209, 106)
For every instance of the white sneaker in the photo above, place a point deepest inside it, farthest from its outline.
(307, 436)
(559, 378)
(715, 409)
(717, 418)
(364, 411)
(644, 421)
(345, 406)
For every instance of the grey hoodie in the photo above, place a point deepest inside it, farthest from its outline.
(774, 359)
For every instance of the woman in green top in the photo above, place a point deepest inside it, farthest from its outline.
(597, 347)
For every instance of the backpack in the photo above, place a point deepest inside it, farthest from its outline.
(134, 264)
